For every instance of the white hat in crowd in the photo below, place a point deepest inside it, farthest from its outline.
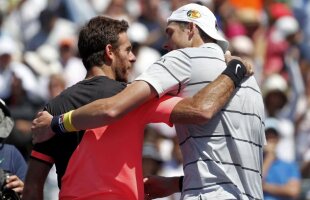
(7, 46)
(274, 82)
(203, 18)
(272, 123)
(6, 122)
(284, 26)
(137, 32)
(242, 44)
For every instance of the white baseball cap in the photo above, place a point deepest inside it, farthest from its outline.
(202, 17)
(274, 82)
(284, 26)
(7, 46)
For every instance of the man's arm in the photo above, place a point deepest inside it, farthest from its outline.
(291, 189)
(159, 186)
(98, 113)
(105, 111)
(35, 179)
(204, 104)
(198, 109)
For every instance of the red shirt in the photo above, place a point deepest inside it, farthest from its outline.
(107, 164)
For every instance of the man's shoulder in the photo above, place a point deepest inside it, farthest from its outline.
(193, 52)
(178, 53)
(95, 83)
(84, 92)
(207, 50)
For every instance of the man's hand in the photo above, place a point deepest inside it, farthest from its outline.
(249, 67)
(14, 183)
(158, 186)
(41, 129)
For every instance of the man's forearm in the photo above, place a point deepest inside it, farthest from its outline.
(158, 186)
(205, 104)
(105, 111)
(209, 100)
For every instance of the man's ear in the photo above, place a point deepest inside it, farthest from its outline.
(191, 27)
(109, 52)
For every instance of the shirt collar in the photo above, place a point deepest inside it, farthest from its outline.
(211, 45)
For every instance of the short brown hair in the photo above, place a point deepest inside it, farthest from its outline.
(96, 35)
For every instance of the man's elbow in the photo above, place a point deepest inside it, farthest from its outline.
(188, 113)
(113, 114)
(200, 116)
(108, 113)
(203, 117)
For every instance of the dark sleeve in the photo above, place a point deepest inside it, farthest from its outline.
(43, 151)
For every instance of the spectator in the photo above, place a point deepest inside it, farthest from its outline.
(281, 179)
(117, 10)
(18, 88)
(53, 28)
(145, 55)
(10, 65)
(279, 40)
(11, 159)
(275, 89)
(72, 66)
(56, 85)
(151, 18)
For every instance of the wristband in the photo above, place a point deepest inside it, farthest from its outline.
(236, 71)
(67, 121)
(63, 123)
(181, 183)
(57, 125)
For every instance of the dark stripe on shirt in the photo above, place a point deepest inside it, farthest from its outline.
(204, 82)
(197, 83)
(209, 48)
(179, 90)
(184, 53)
(221, 183)
(213, 136)
(194, 57)
(211, 185)
(214, 58)
(250, 88)
(242, 113)
(223, 163)
(180, 60)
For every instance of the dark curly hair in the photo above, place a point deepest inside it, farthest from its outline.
(96, 35)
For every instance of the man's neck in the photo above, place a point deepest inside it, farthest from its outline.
(197, 41)
(101, 71)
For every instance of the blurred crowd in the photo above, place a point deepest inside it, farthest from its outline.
(39, 59)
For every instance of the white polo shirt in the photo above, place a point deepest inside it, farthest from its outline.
(223, 158)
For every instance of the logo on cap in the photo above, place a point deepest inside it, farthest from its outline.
(193, 14)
